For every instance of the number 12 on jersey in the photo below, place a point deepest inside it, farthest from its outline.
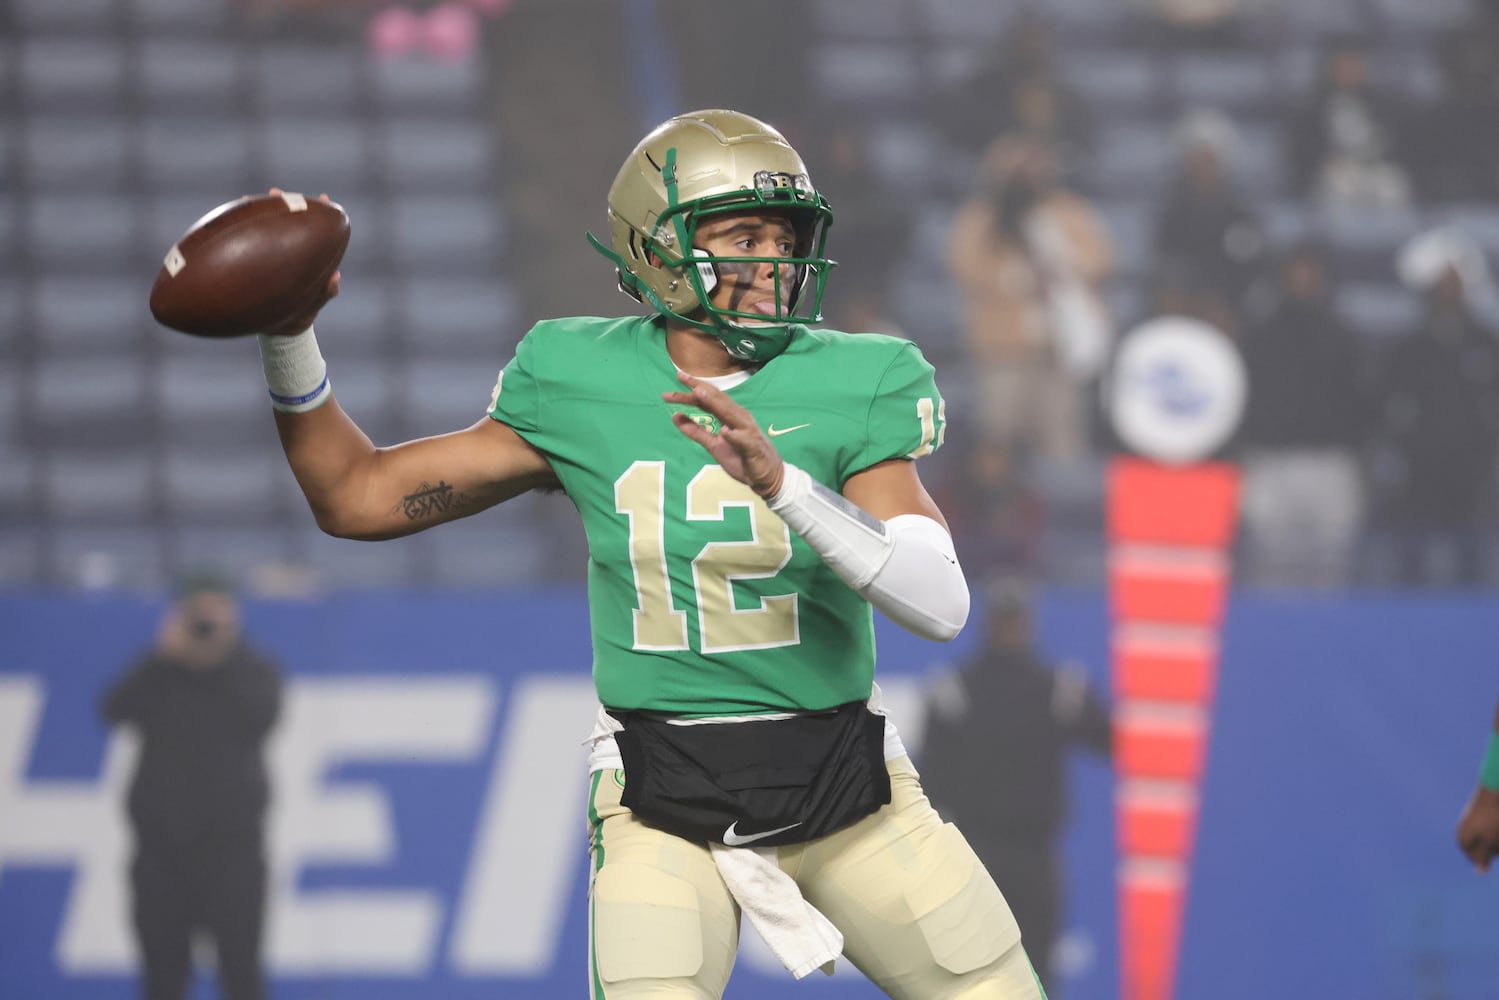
(640, 495)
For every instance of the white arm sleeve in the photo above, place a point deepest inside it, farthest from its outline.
(905, 567)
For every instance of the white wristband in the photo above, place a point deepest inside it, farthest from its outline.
(295, 372)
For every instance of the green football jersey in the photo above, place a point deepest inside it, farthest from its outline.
(701, 601)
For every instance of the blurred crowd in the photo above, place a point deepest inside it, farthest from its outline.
(1370, 439)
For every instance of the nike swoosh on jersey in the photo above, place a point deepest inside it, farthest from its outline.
(733, 839)
(775, 431)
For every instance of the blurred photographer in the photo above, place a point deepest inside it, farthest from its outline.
(203, 701)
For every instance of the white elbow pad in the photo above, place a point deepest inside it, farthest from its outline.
(921, 586)
(905, 567)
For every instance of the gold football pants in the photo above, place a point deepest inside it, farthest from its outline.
(919, 914)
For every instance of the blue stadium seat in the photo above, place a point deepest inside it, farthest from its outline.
(1479, 220)
(89, 311)
(9, 245)
(1099, 20)
(967, 19)
(410, 82)
(208, 153)
(1228, 81)
(219, 385)
(1378, 309)
(1407, 20)
(1286, 220)
(102, 556)
(70, 72)
(223, 484)
(194, 73)
(496, 548)
(243, 551)
(10, 408)
(316, 154)
(866, 72)
(1133, 157)
(298, 77)
(439, 232)
(890, 19)
(81, 229)
(1259, 166)
(47, 15)
(118, 485)
(445, 316)
(368, 250)
(359, 323)
(445, 395)
(363, 388)
(77, 390)
(1131, 223)
(340, 563)
(1380, 233)
(181, 16)
(1113, 79)
(12, 294)
(75, 152)
(425, 154)
(21, 561)
(1322, 18)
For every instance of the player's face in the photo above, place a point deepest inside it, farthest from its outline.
(745, 286)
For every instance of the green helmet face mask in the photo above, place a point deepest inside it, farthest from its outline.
(695, 167)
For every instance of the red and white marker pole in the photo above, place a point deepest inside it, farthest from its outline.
(1176, 395)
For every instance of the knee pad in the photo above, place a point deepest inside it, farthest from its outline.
(960, 911)
(647, 924)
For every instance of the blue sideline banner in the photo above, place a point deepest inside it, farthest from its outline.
(429, 785)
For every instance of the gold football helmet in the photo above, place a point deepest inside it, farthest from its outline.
(703, 164)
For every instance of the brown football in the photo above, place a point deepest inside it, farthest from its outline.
(250, 265)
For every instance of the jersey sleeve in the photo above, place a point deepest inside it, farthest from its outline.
(516, 400)
(907, 418)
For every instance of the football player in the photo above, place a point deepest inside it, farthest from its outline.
(1478, 827)
(748, 489)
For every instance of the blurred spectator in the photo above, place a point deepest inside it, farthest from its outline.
(1303, 490)
(994, 761)
(1348, 140)
(202, 702)
(873, 227)
(1199, 22)
(994, 509)
(1205, 228)
(1029, 256)
(1462, 146)
(1438, 428)
(1019, 88)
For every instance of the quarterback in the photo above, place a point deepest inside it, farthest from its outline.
(748, 486)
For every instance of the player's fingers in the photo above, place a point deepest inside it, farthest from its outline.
(692, 429)
(275, 191)
(717, 402)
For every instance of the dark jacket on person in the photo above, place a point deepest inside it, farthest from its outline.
(998, 731)
(201, 770)
(1306, 379)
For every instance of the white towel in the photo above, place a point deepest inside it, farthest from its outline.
(796, 931)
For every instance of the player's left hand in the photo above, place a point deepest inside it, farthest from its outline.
(1478, 829)
(740, 447)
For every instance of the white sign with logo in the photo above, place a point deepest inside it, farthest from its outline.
(1177, 390)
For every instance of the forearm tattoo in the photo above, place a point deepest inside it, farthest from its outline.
(429, 500)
